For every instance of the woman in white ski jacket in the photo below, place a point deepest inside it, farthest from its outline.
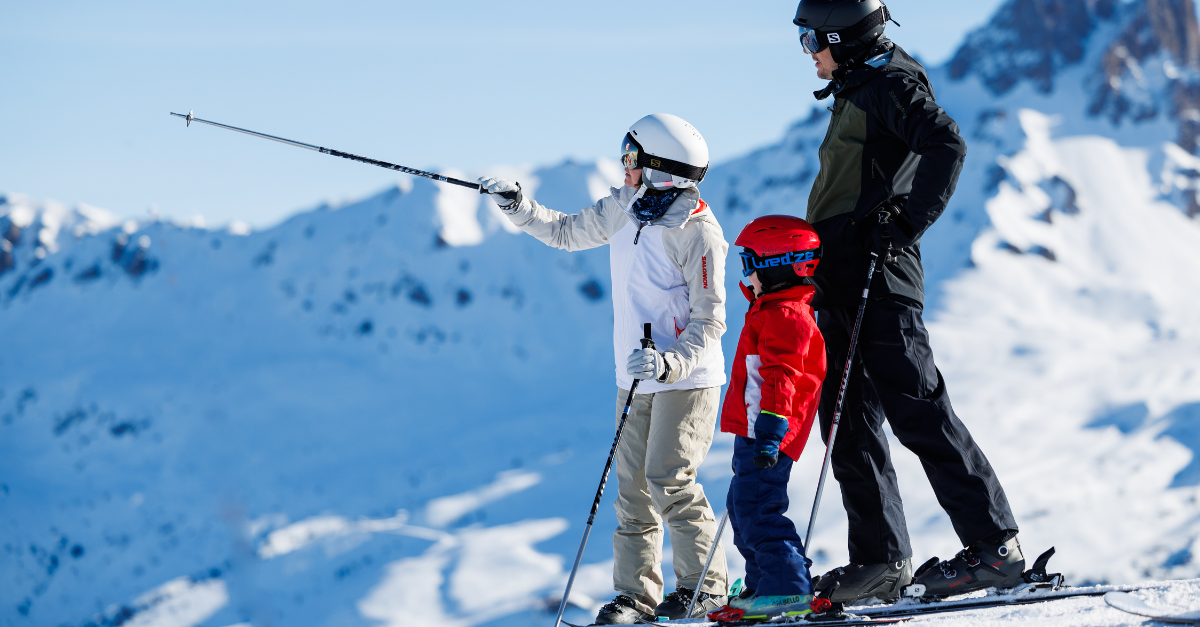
(667, 257)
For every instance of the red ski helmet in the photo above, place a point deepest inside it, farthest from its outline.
(776, 241)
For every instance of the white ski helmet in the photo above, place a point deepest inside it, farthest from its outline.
(671, 152)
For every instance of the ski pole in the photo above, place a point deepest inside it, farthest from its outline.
(704, 573)
(345, 155)
(647, 342)
(837, 412)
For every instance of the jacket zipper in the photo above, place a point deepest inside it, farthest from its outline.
(837, 112)
(629, 268)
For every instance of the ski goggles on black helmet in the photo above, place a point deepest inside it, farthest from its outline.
(815, 41)
(751, 262)
(812, 42)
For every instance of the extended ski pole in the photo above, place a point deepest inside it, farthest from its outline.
(647, 342)
(704, 573)
(837, 412)
(345, 155)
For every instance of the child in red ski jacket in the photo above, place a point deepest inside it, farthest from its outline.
(771, 405)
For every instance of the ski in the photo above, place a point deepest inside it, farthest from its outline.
(1021, 595)
(848, 621)
(910, 608)
(1128, 603)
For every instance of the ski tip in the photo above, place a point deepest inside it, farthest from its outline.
(1133, 605)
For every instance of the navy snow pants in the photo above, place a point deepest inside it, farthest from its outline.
(775, 560)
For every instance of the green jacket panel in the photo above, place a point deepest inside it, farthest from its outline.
(838, 185)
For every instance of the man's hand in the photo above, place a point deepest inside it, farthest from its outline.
(508, 194)
(887, 236)
(883, 239)
(646, 363)
(769, 430)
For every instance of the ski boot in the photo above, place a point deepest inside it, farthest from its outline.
(675, 605)
(622, 610)
(855, 582)
(989, 563)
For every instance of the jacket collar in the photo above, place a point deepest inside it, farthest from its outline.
(857, 71)
(684, 207)
(803, 293)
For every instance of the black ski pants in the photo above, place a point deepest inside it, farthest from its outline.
(893, 377)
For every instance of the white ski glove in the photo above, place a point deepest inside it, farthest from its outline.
(507, 194)
(647, 363)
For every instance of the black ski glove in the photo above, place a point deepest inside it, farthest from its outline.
(890, 233)
(769, 430)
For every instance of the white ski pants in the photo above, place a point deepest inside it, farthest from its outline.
(666, 438)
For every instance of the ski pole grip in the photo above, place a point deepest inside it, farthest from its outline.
(647, 342)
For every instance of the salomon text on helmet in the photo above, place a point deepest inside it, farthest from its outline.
(671, 153)
(779, 247)
(847, 27)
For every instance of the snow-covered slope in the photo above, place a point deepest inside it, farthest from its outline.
(396, 411)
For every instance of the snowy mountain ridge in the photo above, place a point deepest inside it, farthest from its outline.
(395, 411)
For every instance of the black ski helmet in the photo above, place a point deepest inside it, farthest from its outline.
(847, 27)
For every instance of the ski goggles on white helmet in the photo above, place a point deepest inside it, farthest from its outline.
(633, 157)
(629, 153)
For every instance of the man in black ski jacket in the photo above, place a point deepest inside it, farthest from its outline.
(889, 164)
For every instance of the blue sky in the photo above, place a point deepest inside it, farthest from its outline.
(452, 85)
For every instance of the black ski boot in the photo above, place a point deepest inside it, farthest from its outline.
(855, 582)
(622, 611)
(989, 563)
(675, 605)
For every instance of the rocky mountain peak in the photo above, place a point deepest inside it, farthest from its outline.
(1158, 39)
(1152, 68)
(1030, 39)
(1140, 59)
